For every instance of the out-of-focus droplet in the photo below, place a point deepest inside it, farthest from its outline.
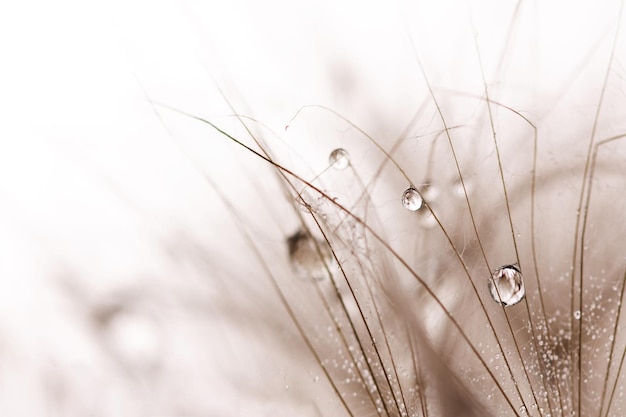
(411, 199)
(506, 285)
(135, 338)
(429, 192)
(339, 159)
(458, 187)
(310, 257)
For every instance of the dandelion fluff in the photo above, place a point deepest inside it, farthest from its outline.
(147, 263)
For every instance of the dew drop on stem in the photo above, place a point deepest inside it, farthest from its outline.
(506, 285)
(411, 199)
(339, 159)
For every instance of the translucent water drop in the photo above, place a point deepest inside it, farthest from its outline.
(506, 285)
(411, 199)
(577, 314)
(310, 257)
(339, 159)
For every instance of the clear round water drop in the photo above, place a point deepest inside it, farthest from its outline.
(506, 285)
(339, 159)
(411, 199)
(577, 314)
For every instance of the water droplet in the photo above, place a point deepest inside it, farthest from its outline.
(310, 257)
(522, 409)
(506, 285)
(339, 158)
(411, 199)
(577, 314)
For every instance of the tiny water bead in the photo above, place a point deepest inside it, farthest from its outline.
(506, 285)
(577, 314)
(312, 202)
(339, 159)
(310, 257)
(411, 199)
